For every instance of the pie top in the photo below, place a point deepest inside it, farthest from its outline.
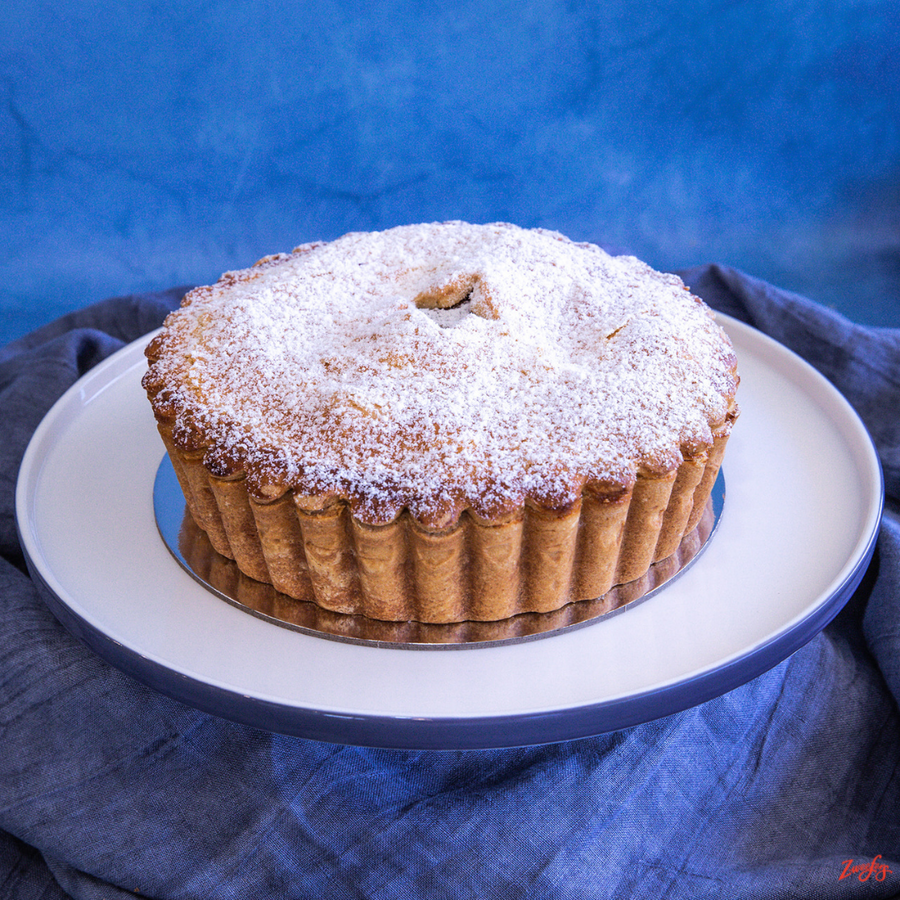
(440, 367)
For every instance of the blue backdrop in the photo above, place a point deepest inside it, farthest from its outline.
(144, 145)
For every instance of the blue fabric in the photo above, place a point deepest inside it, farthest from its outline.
(788, 786)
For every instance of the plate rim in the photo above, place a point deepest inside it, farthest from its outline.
(485, 732)
(445, 732)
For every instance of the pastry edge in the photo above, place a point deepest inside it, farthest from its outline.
(536, 560)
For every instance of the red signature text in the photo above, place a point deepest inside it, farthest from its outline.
(864, 871)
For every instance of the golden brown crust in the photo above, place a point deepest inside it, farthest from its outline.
(223, 575)
(537, 562)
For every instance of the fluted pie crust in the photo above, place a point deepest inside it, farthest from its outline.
(486, 564)
(536, 561)
(191, 546)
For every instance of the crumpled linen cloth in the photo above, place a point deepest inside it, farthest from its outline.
(788, 786)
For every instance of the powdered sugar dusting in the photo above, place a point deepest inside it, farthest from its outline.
(446, 365)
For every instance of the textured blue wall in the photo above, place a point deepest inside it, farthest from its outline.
(144, 145)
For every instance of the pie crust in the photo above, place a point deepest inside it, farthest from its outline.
(310, 485)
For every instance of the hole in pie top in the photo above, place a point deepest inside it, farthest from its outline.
(450, 301)
(451, 315)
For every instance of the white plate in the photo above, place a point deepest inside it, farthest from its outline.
(804, 503)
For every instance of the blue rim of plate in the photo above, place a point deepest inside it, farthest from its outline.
(437, 733)
(483, 732)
